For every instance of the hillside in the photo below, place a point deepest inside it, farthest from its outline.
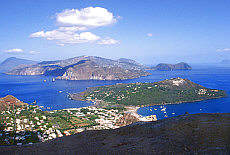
(170, 67)
(8, 102)
(172, 91)
(85, 68)
(185, 134)
(14, 62)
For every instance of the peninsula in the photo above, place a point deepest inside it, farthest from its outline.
(172, 91)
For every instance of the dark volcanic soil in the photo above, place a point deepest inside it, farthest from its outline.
(186, 134)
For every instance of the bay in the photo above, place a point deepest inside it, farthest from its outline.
(53, 95)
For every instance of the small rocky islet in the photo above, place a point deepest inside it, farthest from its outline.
(172, 67)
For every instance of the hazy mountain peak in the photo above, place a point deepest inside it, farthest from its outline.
(13, 62)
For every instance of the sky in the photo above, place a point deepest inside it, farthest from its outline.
(148, 31)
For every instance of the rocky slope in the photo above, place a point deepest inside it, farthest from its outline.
(169, 67)
(14, 62)
(186, 134)
(179, 83)
(127, 119)
(8, 101)
(85, 68)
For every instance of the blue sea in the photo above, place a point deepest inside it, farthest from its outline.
(53, 95)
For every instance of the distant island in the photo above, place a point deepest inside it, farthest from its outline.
(172, 91)
(171, 67)
(226, 61)
(85, 68)
(13, 62)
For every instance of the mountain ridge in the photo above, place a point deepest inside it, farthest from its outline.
(85, 68)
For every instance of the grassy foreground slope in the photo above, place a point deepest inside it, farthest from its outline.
(172, 91)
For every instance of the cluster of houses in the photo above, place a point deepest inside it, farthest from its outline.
(205, 92)
(202, 91)
(19, 129)
(22, 130)
(107, 119)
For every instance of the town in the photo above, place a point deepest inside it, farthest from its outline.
(29, 124)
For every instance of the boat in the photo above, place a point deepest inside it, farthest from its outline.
(53, 80)
(155, 109)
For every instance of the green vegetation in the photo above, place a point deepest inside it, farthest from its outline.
(21, 123)
(168, 91)
(63, 120)
(32, 122)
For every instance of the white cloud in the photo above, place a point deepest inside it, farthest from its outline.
(73, 29)
(34, 52)
(223, 50)
(66, 37)
(70, 22)
(108, 41)
(85, 18)
(15, 50)
(149, 34)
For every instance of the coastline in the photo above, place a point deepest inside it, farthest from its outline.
(133, 111)
(97, 103)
